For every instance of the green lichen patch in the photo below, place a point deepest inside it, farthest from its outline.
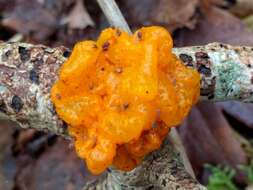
(231, 77)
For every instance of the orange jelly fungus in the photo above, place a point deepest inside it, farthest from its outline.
(121, 94)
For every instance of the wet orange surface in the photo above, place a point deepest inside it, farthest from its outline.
(121, 94)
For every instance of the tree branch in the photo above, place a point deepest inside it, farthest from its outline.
(226, 71)
(29, 71)
(113, 14)
(163, 169)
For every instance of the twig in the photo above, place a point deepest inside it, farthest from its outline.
(113, 14)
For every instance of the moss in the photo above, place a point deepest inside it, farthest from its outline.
(221, 178)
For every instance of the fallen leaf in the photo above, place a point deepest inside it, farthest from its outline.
(242, 8)
(215, 25)
(169, 13)
(175, 14)
(241, 111)
(78, 18)
(208, 138)
(7, 161)
(35, 18)
(57, 168)
(199, 142)
(4, 5)
(223, 133)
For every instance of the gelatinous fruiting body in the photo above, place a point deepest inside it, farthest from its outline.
(121, 94)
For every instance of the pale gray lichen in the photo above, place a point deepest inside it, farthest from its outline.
(231, 69)
(230, 77)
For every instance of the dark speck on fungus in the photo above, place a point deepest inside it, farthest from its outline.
(125, 106)
(139, 35)
(16, 103)
(118, 32)
(105, 46)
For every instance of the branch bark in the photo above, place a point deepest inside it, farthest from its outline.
(226, 71)
(27, 73)
(163, 169)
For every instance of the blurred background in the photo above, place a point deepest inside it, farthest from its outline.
(218, 137)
